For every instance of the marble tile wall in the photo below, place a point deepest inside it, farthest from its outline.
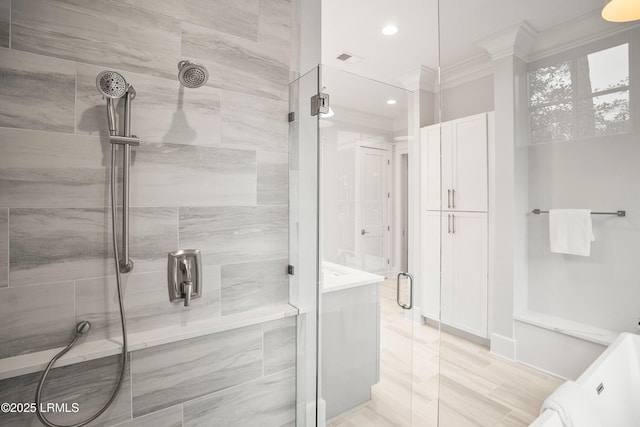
(5, 22)
(4, 247)
(55, 244)
(279, 345)
(98, 32)
(145, 300)
(228, 378)
(35, 318)
(206, 365)
(170, 417)
(232, 235)
(88, 384)
(261, 68)
(37, 92)
(252, 285)
(267, 401)
(210, 173)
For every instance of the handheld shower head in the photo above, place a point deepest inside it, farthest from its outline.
(112, 86)
(192, 75)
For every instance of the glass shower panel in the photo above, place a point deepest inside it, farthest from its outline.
(366, 338)
(303, 240)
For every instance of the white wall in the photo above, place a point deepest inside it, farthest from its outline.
(467, 99)
(603, 175)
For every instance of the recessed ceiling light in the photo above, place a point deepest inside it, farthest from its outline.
(389, 30)
(391, 101)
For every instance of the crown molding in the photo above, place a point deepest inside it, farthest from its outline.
(516, 40)
(579, 31)
(423, 78)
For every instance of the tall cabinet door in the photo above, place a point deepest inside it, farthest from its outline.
(436, 185)
(469, 165)
(468, 287)
(431, 240)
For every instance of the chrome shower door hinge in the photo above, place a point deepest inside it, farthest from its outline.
(320, 104)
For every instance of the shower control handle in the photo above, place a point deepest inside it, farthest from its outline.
(187, 290)
(185, 275)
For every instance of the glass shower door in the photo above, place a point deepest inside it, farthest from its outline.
(366, 337)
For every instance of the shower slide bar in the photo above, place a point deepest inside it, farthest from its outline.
(617, 213)
(126, 141)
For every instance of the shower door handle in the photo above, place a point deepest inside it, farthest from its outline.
(410, 305)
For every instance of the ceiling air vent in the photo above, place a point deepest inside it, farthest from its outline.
(349, 58)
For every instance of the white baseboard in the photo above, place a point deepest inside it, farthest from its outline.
(503, 346)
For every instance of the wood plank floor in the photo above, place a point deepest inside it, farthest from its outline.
(474, 387)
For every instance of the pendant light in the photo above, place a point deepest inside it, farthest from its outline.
(621, 10)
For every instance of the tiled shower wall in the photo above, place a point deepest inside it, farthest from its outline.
(210, 174)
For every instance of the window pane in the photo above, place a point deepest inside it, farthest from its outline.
(552, 123)
(604, 115)
(550, 84)
(608, 68)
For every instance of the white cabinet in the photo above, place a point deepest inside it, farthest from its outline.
(454, 165)
(454, 189)
(455, 261)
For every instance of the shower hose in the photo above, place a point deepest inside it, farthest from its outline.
(84, 326)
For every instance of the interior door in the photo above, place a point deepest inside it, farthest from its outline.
(373, 210)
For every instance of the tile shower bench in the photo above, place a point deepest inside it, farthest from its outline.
(85, 351)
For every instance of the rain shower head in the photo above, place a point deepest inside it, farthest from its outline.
(192, 75)
(111, 84)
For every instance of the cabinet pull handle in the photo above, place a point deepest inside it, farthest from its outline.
(453, 228)
(448, 224)
(448, 199)
(453, 198)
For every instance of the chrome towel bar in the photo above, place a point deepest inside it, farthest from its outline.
(617, 213)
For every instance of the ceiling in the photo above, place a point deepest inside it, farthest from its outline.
(354, 27)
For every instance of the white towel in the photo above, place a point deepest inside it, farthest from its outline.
(570, 231)
(574, 406)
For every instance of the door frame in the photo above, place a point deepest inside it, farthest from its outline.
(387, 214)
